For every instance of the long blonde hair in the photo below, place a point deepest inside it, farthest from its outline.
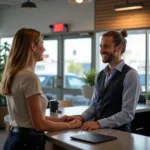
(19, 57)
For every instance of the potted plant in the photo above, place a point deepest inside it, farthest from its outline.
(4, 49)
(148, 98)
(88, 79)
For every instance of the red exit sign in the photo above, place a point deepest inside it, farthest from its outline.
(59, 27)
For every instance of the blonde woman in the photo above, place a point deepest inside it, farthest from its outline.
(25, 99)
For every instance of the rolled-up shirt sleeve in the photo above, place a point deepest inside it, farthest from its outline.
(90, 112)
(130, 97)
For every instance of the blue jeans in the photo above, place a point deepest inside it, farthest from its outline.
(25, 141)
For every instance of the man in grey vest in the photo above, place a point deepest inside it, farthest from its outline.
(117, 88)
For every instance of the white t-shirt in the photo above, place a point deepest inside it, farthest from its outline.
(25, 84)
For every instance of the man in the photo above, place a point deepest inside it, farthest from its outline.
(117, 88)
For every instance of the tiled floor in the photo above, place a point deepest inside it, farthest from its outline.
(2, 138)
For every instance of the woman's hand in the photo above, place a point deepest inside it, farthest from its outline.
(64, 118)
(75, 124)
(71, 118)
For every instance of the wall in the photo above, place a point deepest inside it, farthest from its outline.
(106, 18)
(79, 17)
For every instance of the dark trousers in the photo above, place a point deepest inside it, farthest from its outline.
(24, 141)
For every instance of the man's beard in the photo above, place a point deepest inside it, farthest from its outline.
(109, 59)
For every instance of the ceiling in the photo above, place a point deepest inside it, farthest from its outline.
(10, 3)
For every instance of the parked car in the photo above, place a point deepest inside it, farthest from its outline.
(142, 80)
(70, 81)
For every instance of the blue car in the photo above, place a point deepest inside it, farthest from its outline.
(142, 80)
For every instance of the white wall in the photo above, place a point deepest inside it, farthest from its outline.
(79, 17)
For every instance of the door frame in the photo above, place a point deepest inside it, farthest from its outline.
(59, 89)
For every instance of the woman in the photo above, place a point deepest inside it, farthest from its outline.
(26, 101)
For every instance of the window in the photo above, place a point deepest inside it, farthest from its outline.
(74, 82)
(8, 40)
(50, 82)
(42, 79)
(148, 71)
(46, 80)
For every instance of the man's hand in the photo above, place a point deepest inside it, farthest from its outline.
(70, 118)
(75, 124)
(90, 126)
(63, 118)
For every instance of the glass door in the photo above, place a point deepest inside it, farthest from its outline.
(77, 60)
(47, 70)
(65, 60)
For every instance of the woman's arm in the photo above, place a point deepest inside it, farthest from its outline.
(53, 119)
(39, 120)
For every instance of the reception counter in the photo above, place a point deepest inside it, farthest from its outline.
(141, 108)
(79, 109)
(140, 124)
(125, 141)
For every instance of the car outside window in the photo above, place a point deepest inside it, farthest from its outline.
(46, 80)
(49, 82)
(74, 82)
(42, 79)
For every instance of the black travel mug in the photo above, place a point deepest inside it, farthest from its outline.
(53, 105)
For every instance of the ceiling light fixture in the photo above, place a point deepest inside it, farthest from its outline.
(28, 4)
(79, 1)
(128, 6)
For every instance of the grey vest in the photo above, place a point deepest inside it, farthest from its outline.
(109, 100)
